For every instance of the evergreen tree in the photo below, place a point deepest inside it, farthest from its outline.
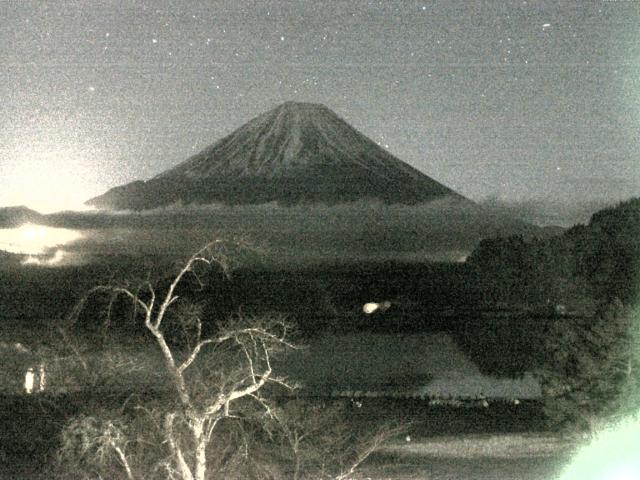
(591, 368)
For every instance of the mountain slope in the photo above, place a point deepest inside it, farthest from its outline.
(15, 216)
(295, 153)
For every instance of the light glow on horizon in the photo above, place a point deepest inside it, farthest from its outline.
(48, 177)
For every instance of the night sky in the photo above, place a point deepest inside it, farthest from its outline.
(522, 100)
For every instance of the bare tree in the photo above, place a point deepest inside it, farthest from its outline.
(214, 377)
(318, 443)
(200, 409)
(101, 440)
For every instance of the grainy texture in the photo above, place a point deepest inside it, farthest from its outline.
(521, 100)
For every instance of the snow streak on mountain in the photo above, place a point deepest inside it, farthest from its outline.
(295, 153)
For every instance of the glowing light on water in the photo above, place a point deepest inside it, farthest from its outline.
(35, 381)
(32, 239)
(613, 455)
(372, 307)
(29, 380)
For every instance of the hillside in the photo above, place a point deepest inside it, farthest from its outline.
(585, 266)
(15, 216)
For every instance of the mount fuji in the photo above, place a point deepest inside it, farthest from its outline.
(296, 153)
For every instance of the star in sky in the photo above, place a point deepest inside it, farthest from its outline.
(474, 94)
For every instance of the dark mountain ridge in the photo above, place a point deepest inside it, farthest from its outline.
(294, 153)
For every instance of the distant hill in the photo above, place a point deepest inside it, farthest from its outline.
(585, 266)
(15, 216)
(295, 153)
(546, 295)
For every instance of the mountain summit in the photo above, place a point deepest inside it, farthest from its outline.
(295, 153)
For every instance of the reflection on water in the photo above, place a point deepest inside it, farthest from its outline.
(39, 242)
(54, 259)
(35, 380)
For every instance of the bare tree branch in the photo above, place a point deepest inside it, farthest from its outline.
(194, 354)
(201, 409)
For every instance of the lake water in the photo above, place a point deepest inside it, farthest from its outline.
(423, 365)
(39, 244)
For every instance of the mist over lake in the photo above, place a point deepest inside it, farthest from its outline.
(310, 233)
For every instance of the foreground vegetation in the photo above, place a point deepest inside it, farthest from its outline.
(441, 438)
(217, 412)
(176, 376)
(588, 358)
